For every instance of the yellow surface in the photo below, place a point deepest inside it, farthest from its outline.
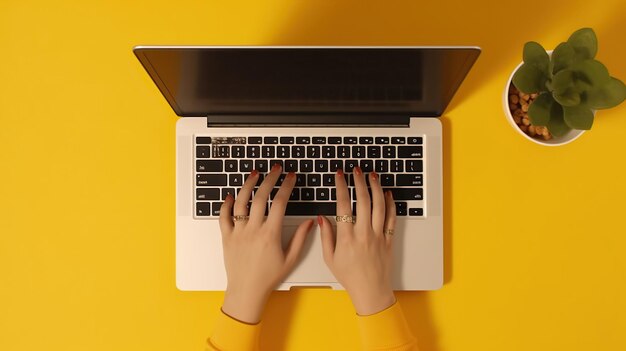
(534, 235)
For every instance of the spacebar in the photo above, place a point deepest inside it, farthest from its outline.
(310, 208)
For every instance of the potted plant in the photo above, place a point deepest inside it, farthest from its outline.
(551, 97)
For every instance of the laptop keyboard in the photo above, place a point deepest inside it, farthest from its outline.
(222, 164)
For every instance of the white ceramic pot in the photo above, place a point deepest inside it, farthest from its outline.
(567, 138)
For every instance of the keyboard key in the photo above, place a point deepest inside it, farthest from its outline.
(349, 165)
(306, 165)
(281, 179)
(414, 165)
(303, 140)
(386, 179)
(328, 179)
(319, 140)
(313, 151)
(321, 166)
(415, 140)
(210, 179)
(230, 165)
(235, 179)
(246, 166)
(373, 151)
(334, 140)
(409, 152)
(273, 162)
(255, 140)
(203, 140)
(335, 165)
(258, 181)
(350, 140)
(328, 151)
(253, 151)
(366, 140)
(416, 211)
(209, 165)
(226, 191)
(310, 208)
(409, 180)
(270, 140)
(223, 151)
(286, 140)
(203, 151)
(207, 194)
(313, 180)
(401, 208)
(291, 165)
(398, 140)
(295, 194)
(367, 166)
(260, 165)
(381, 166)
(273, 193)
(358, 152)
(203, 208)
(397, 166)
(407, 193)
(307, 194)
(389, 152)
(297, 152)
(268, 151)
(282, 151)
(343, 151)
(333, 194)
(382, 140)
(300, 179)
(322, 194)
(238, 151)
(216, 208)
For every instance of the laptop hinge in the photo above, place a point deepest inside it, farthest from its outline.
(323, 120)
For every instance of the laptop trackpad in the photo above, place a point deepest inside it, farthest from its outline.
(310, 269)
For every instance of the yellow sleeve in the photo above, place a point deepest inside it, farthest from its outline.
(387, 330)
(233, 335)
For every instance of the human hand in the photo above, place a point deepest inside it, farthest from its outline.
(253, 255)
(360, 255)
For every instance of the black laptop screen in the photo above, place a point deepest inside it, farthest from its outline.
(198, 81)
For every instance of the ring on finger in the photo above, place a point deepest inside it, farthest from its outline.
(345, 219)
(388, 232)
(240, 218)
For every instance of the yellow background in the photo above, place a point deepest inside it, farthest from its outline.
(534, 236)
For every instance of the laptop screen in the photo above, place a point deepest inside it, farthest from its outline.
(199, 81)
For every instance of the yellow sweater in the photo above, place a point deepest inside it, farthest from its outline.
(384, 331)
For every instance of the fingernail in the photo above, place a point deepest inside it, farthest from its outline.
(390, 194)
(340, 172)
(374, 175)
(229, 197)
(254, 172)
(357, 170)
(290, 175)
(275, 167)
(319, 220)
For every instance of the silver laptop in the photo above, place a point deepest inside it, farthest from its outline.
(314, 110)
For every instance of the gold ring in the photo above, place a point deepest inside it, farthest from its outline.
(388, 231)
(240, 218)
(345, 218)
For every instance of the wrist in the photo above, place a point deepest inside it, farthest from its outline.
(372, 302)
(245, 307)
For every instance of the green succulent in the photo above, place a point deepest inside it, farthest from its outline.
(570, 83)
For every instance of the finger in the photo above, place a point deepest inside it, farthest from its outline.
(378, 204)
(243, 197)
(327, 233)
(363, 203)
(343, 199)
(390, 214)
(279, 204)
(226, 221)
(296, 243)
(259, 203)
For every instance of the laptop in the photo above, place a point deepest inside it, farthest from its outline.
(313, 110)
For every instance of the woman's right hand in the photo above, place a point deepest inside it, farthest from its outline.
(360, 254)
